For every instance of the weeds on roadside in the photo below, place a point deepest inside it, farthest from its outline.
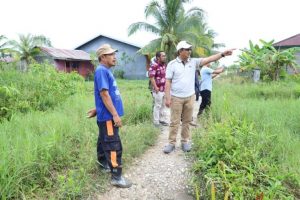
(51, 154)
(247, 148)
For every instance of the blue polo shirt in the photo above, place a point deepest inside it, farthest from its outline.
(206, 78)
(104, 79)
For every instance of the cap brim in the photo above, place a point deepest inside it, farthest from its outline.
(111, 51)
(187, 46)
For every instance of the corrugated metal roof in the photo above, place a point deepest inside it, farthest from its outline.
(292, 41)
(101, 35)
(66, 54)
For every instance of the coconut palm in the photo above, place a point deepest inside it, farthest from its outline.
(173, 24)
(205, 44)
(25, 47)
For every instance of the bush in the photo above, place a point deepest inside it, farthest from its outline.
(41, 88)
(249, 144)
(236, 159)
(118, 73)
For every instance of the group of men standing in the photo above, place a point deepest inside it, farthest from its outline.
(172, 89)
(173, 86)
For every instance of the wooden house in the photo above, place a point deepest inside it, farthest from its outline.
(67, 60)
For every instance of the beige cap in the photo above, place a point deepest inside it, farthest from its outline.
(105, 49)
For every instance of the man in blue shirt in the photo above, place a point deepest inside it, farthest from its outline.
(109, 109)
(207, 74)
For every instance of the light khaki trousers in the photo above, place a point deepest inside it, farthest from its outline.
(181, 110)
(160, 111)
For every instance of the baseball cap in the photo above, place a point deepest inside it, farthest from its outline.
(105, 49)
(183, 45)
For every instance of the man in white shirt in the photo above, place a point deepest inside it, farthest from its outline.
(180, 92)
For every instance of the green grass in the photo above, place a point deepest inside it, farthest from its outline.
(52, 154)
(250, 144)
(138, 100)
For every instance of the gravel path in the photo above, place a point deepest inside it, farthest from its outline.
(155, 175)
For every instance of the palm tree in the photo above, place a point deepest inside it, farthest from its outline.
(205, 42)
(26, 47)
(173, 24)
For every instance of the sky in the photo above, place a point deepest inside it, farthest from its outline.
(69, 24)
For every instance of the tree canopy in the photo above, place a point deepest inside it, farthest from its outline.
(173, 24)
(25, 47)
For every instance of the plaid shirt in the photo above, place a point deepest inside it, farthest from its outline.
(158, 72)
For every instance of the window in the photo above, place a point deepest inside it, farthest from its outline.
(75, 64)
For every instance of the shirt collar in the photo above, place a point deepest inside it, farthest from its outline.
(181, 61)
(159, 64)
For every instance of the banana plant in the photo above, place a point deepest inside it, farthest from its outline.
(268, 59)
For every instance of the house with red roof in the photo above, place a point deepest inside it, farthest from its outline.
(67, 60)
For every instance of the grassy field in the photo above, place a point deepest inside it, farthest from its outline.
(51, 154)
(249, 146)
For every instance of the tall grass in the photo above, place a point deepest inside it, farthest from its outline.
(138, 100)
(52, 154)
(250, 144)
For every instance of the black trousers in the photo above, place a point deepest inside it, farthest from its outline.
(206, 100)
(109, 147)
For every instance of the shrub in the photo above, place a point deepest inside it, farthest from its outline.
(248, 146)
(118, 73)
(41, 88)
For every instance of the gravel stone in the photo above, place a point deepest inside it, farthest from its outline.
(155, 175)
